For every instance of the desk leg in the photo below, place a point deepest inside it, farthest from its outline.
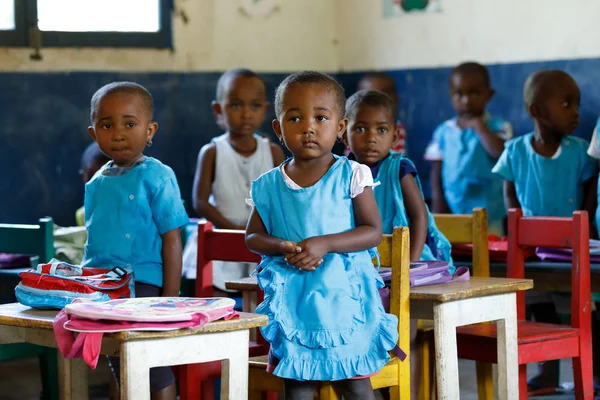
(445, 316)
(508, 359)
(73, 378)
(249, 305)
(234, 371)
(135, 374)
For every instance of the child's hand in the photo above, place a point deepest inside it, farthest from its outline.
(289, 248)
(313, 250)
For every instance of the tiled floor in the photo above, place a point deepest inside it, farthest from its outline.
(19, 380)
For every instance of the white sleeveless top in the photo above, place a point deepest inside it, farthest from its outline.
(234, 174)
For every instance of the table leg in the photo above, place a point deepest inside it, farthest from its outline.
(508, 358)
(445, 316)
(73, 378)
(234, 371)
(135, 373)
(249, 305)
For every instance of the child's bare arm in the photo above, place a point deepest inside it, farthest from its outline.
(171, 255)
(492, 143)
(203, 179)
(510, 195)
(438, 201)
(590, 202)
(366, 235)
(259, 241)
(417, 215)
(277, 153)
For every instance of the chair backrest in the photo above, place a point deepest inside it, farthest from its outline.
(218, 245)
(553, 232)
(29, 239)
(394, 252)
(468, 229)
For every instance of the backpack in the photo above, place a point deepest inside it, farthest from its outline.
(56, 284)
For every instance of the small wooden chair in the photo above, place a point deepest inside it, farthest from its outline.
(394, 251)
(539, 341)
(458, 229)
(197, 380)
(36, 240)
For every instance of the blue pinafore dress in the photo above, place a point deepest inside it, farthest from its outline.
(328, 324)
(390, 202)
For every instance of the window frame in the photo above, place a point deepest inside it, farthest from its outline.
(26, 20)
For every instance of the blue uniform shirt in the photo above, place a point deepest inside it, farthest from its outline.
(126, 214)
(547, 186)
(467, 177)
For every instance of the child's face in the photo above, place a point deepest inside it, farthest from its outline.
(242, 109)
(310, 121)
(470, 94)
(122, 127)
(559, 111)
(383, 85)
(371, 134)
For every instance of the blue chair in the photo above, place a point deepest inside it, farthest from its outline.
(35, 240)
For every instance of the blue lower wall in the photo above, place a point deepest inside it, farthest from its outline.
(44, 119)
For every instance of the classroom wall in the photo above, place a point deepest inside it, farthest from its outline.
(44, 105)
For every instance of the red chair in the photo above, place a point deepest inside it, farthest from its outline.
(540, 342)
(196, 381)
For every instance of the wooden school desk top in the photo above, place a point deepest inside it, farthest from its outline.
(442, 292)
(18, 315)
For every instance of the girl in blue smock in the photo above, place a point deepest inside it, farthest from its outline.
(371, 133)
(315, 222)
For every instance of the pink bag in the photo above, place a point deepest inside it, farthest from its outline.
(91, 320)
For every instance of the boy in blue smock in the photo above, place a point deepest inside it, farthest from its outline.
(133, 207)
(464, 149)
(92, 160)
(371, 134)
(536, 164)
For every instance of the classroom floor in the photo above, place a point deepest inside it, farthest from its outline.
(19, 380)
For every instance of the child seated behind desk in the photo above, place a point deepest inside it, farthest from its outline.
(371, 133)
(465, 148)
(548, 173)
(92, 160)
(315, 222)
(228, 164)
(133, 207)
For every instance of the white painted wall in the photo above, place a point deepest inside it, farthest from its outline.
(489, 31)
(218, 37)
(347, 35)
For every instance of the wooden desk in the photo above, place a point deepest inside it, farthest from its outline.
(139, 351)
(455, 304)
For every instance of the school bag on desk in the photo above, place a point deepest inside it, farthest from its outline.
(497, 247)
(92, 320)
(56, 284)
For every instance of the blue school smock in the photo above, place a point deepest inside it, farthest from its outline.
(467, 177)
(547, 186)
(328, 324)
(390, 202)
(125, 216)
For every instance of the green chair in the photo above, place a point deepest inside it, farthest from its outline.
(35, 240)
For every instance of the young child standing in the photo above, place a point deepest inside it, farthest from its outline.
(133, 207)
(535, 165)
(92, 160)
(464, 149)
(315, 222)
(371, 118)
(385, 83)
(228, 164)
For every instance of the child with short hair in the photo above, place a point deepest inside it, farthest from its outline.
(92, 160)
(133, 207)
(464, 149)
(536, 164)
(385, 83)
(229, 163)
(315, 222)
(371, 118)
